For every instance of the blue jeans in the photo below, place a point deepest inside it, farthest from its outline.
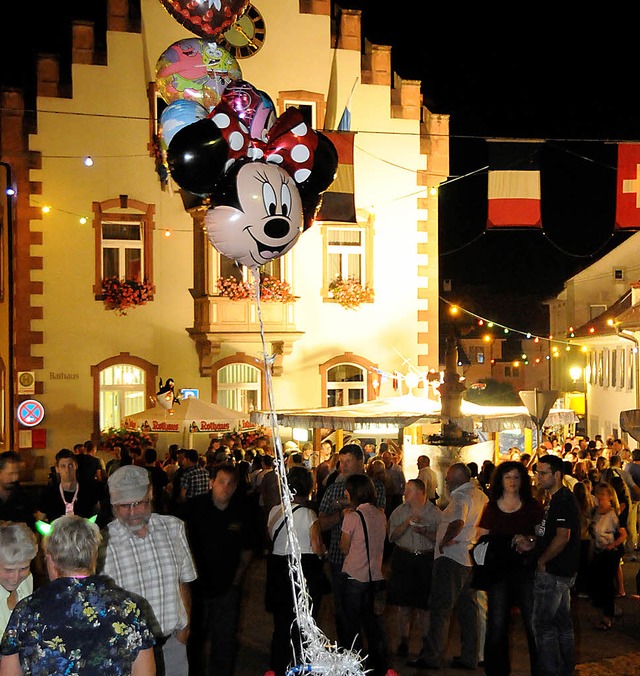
(552, 624)
(515, 589)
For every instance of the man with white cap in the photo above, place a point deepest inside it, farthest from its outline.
(148, 554)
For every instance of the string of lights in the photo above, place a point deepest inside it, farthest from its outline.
(455, 309)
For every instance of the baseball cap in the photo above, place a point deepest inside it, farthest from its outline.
(128, 484)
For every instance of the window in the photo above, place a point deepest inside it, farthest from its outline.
(229, 268)
(122, 393)
(122, 250)
(511, 371)
(595, 310)
(621, 366)
(122, 385)
(348, 252)
(345, 385)
(123, 240)
(613, 370)
(345, 253)
(239, 387)
(311, 104)
(348, 379)
(476, 354)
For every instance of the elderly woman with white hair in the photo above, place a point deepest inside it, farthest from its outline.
(18, 547)
(79, 623)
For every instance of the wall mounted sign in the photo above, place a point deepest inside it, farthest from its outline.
(30, 413)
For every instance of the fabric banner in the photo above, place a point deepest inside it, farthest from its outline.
(628, 187)
(338, 202)
(514, 185)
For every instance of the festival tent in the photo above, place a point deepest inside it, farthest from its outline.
(408, 409)
(189, 416)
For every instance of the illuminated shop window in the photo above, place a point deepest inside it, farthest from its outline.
(122, 393)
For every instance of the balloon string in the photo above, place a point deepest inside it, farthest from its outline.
(318, 655)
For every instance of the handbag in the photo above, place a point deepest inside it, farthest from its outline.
(377, 588)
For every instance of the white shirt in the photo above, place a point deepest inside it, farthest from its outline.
(303, 519)
(466, 503)
(25, 589)
(430, 480)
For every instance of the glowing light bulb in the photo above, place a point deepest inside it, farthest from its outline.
(167, 233)
(83, 220)
(46, 209)
(88, 161)
(10, 192)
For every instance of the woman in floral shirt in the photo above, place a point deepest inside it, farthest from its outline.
(80, 623)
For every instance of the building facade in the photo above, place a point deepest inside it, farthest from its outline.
(71, 226)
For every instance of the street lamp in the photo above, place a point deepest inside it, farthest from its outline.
(575, 372)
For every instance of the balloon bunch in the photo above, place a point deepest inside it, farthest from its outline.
(264, 178)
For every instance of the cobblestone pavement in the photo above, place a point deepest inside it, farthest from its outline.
(599, 653)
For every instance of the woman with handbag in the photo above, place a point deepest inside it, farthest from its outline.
(609, 534)
(364, 530)
(278, 591)
(511, 511)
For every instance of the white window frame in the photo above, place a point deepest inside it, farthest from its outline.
(239, 388)
(121, 245)
(134, 390)
(346, 386)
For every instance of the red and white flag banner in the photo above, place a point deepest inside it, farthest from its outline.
(628, 187)
(514, 185)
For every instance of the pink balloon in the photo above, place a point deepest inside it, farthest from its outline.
(251, 105)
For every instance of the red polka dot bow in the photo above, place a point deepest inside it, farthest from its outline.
(290, 142)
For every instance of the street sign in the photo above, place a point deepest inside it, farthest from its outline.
(30, 413)
(26, 382)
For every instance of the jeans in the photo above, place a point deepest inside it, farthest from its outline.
(516, 589)
(451, 588)
(214, 628)
(359, 618)
(552, 624)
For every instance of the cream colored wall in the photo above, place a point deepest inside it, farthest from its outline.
(107, 119)
(113, 129)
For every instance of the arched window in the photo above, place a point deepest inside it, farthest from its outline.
(238, 383)
(122, 386)
(346, 385)
(347, 380)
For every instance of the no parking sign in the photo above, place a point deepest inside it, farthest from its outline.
(30, 413)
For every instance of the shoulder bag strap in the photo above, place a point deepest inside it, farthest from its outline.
(282, 523)
(366, 540)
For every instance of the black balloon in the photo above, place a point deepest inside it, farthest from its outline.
(197, 156)
(325, 166)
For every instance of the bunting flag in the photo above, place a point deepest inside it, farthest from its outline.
(338, 202)
(514, 185)
(628, 187)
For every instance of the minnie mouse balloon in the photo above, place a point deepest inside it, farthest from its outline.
(261, 218)
(252, 106)
(263, 192)
(196, 70)
(206, 18)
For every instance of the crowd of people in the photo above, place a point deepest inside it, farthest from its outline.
(155, 585)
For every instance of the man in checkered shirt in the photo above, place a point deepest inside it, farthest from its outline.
(195, 480)
(148, 554)
(330, 514)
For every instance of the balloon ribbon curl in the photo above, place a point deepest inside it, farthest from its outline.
(317, 653)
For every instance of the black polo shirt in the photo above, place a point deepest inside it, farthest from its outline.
(562, 512)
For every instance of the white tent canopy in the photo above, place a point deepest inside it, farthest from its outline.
(407, 409)
(191, 415)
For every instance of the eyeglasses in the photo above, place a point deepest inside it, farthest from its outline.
(541, 473)
(127, 506)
